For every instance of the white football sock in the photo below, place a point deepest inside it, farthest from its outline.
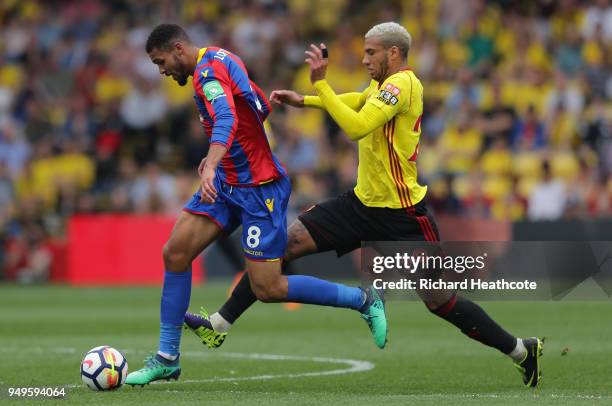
(167, 356)
(519, 352)
(219, 324)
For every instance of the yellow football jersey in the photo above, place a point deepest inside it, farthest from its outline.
(385, 120)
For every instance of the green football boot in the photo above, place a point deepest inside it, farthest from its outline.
(156, 368)
(373, 312)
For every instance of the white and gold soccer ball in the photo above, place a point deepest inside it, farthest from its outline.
(104, 368)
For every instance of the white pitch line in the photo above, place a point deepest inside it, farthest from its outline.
(352, 365)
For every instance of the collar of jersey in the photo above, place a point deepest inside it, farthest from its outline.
(201, 53)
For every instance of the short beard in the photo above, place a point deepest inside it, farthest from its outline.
(182, 81)
(384, 69)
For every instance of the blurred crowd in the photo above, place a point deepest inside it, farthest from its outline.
(517, 120)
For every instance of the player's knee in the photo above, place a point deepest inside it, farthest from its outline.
(299, 242)
(432, 305)
(295, 248)
(436, 303)
(267, 292)
(263, 294)
(174, 260)
(289, 254)
(435, 299)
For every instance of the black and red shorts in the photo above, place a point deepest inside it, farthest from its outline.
(342, 223)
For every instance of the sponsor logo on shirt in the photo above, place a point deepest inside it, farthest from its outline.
(253, 253)
(213, 90)
(387, 97)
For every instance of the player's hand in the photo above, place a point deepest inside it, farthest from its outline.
(201, 167)
(287, 97)
(316, 57)
(209, 192)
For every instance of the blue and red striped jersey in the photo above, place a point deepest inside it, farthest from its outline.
(232, 109)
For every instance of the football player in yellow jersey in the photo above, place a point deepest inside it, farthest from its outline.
(387, 202)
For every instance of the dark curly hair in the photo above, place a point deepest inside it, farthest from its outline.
(164, 35)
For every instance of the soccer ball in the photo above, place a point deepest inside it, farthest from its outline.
(104, 368)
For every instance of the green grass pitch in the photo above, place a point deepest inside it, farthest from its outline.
(273, 356)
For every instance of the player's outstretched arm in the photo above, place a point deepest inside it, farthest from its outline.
(288, 97)
(356, 124)
(354, 100)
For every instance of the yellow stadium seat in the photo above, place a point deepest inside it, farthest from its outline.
(527, 163)
(496, 161)
(496, 187)
(526, 184)
(462, 187)
(507, 209)
(564, 165)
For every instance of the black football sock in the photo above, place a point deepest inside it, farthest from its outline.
(242, 298)
(232, 253)
(474, 322)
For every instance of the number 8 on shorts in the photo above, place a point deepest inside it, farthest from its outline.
(253, 234)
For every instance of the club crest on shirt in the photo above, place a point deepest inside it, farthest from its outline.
(390, 87)
(270, 204)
